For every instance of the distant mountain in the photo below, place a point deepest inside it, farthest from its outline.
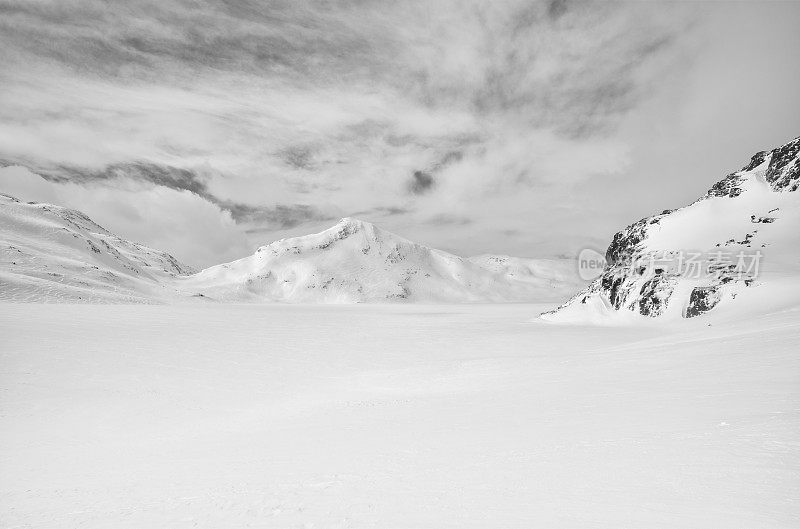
(354, 261)
(735, 250)
(51, 253)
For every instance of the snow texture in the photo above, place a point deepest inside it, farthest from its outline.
(393, 416)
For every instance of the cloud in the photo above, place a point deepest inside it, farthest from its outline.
(557, 8)
(284, 114)
(421, 182)
(160, 175)
(278, 216)
(188, 226)
(445, 219)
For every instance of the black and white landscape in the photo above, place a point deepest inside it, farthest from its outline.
(378, 264)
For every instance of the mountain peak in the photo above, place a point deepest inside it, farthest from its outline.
(725, 238)
(354, 224)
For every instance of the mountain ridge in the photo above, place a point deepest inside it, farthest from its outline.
(52, 253)
(750, 214)
(355, 261)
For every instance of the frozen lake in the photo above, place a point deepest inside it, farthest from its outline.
(402, 416)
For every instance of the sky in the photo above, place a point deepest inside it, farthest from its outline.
(209, 128)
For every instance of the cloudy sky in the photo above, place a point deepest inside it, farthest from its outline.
(208, 128)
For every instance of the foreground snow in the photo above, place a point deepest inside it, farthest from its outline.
(396, 416)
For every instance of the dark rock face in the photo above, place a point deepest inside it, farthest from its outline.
(757, 159)
(727, 187)
(625, 243)
(612, 284)
(783, 172)
(701, 300)
(761, 220)
(654, 295)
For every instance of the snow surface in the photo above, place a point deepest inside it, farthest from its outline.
(393, 416)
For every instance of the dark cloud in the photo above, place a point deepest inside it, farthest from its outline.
(449, 158)
(387, 211)
(421, 182)
(444, 219)
(280, 215)
(557, 8)
(160, 175)
(298, 156)
(392, 210)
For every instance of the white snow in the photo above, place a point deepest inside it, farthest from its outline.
(393, 416)
(355, 261)
(53, 254)
(50, 253)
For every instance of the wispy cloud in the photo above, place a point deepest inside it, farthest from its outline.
(289, 112)
(278, 216)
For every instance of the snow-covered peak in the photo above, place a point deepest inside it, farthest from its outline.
(778, 168)
(355, 261)
(739, 241)
(352, 223)
(355, 233)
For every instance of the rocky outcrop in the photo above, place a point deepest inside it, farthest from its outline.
(702, 299)
(783, 172)
(655, 294)
(643, 274)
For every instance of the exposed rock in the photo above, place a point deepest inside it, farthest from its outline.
(783, 172)
(727, 187)
(625, 243)
(655, 294)
(702, 299)
(761, 220)
(757, 159)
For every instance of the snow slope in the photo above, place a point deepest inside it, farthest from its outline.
(393, 416)
(735, 251)
(51, 253)
(355, 261)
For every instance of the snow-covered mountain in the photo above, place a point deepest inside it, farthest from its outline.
(51, 253)
(737, 247)
(354, 261)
